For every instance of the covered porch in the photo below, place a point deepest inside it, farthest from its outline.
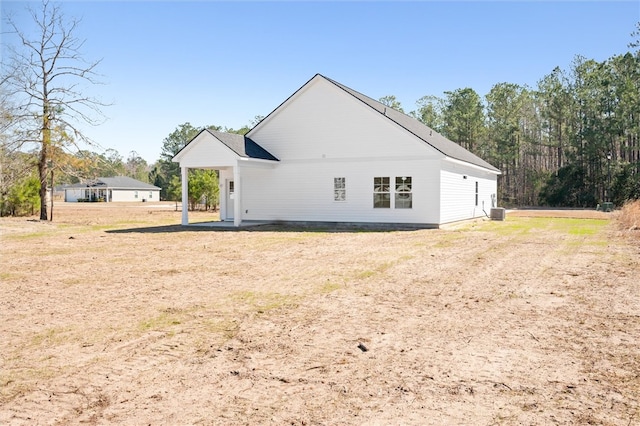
(229, 154)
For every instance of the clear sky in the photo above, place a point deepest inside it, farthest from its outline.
(165, 63)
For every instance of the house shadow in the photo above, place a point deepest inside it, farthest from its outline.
(320, 227)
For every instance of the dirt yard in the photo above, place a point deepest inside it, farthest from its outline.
(113, 314)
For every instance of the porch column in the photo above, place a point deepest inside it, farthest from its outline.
(237, 203)
(185, 195)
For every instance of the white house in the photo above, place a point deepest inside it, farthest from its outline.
(110, 189)
(331, 154)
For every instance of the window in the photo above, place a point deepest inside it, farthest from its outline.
(339, 189)
(150, 194)
(135, 195)
(476, 193)
(381, 193)
(404, 197)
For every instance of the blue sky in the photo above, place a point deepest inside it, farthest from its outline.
(212, 62)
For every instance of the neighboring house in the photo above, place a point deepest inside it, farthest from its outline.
(109, 189)
(331, 154)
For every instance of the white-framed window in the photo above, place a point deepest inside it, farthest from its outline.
(135, 194)
(404, 196)
(381, 193)
(339, 189)
(476, 193)
(150, 194)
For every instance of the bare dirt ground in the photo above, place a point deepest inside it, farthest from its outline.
(113, 314)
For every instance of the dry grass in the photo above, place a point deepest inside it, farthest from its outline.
(113, 314)
(629, 216)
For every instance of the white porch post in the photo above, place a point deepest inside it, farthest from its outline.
(185, 195)
(237, 193)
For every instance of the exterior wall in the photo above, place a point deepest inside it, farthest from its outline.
(322, 133)
(73, 194)
(225, 175)
(458, 193)
(322, 121)
(135, 195)
(205, 150)
(304, 191)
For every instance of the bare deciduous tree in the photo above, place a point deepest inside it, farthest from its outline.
(46, 78)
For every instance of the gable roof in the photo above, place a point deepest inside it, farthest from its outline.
(410, 124)
(117, 182)
(243, 146)
(422, 131)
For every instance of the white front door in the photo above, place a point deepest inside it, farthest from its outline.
(230, 200)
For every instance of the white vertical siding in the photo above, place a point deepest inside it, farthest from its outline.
(458, 201)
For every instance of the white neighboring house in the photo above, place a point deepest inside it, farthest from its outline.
(331, 154)
(110, 189)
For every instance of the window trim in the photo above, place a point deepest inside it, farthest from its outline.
(339, 187)
(399, 182)
(379, 184)
(476, 193)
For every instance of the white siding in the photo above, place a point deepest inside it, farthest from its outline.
(122, 195)
(133, 195)
(71, 195)
(303, 191)
(321, 133)
(322, 121)
(458, 193)
(206, 151)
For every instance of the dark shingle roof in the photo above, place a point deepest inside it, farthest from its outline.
(243, 146)
(425, 133)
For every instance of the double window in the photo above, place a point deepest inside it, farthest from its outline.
(403, 196)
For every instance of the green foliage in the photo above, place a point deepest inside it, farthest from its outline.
(165, 170)
(430, 112)
(463, 117)
(391, 102)
(203, 188)
(625, 185)
(23, 199)
(567, 189)
(137, 167)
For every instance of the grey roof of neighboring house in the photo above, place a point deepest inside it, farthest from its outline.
(117, 182)
(242, 145)
(428, 135)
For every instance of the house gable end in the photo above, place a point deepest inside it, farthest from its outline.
(322, 121)
(206, 151)
(331, 114)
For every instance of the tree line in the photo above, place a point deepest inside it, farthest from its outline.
(573, 140)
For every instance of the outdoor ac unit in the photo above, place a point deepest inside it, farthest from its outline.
(497, 213)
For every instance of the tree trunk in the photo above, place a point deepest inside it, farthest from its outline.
(42, 174)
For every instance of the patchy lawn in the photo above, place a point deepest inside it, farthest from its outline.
(114, 315)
